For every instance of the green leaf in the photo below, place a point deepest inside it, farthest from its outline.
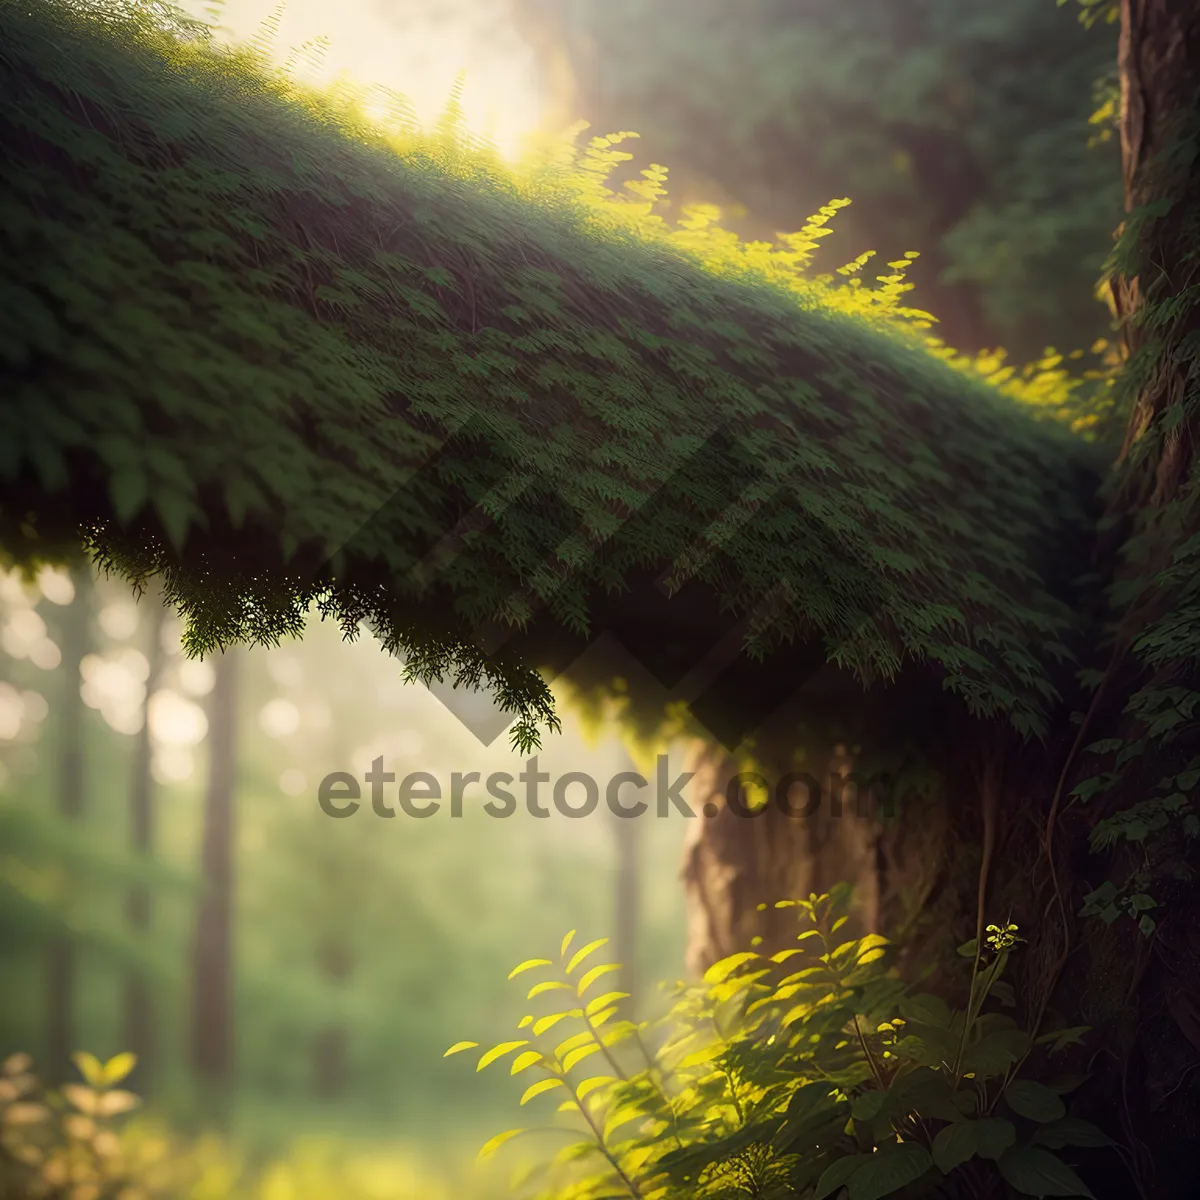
(1070, 1131)
(926, 1009)
(867, 1106)
(955, 1144)
(928, 1093)
(1034, 1172)
(996, 1135)
(492, 1146)
(177, 512)
(498, 1052)
(996, 1052)
(888, 1170)
(528, 965)
(129, 492)
(814, 1102)
(460, 1046)
(838, 1174)
(1061, 1038)
(1004, 993)
(1034, 1101)
(1064, 1084)
(240, 496)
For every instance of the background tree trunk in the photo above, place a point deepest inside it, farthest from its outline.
(835, 833)
(71, 803)
(140, 1032)
(627, 904)
(331, 1049)
(212, 1042)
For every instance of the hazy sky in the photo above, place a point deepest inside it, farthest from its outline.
(416, 47)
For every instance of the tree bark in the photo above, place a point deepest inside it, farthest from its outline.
(71, 804)
(838, 827)
(212, 1035)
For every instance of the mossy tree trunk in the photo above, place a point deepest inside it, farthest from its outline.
(1139, 990)
(1142, 989)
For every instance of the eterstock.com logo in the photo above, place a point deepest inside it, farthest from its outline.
(627, 794)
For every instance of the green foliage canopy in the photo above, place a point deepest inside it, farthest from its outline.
(250, 346)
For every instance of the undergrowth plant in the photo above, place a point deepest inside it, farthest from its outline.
(814, 1073)
(62, 1143)
(75, 1143)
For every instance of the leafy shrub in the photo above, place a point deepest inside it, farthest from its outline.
(62, 1143)
(65, 1145)
(815, 1073)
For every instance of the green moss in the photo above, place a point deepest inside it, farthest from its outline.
(252, 345)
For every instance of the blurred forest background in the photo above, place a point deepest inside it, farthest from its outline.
(168, 883)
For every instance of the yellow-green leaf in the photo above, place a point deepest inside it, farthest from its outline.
(600, 1002)
(498, 1052)
(577, 1056)
(90, 1067)
(699, 1057)
(522, 1061)
(578, 1039)
(460, 1046)
(580, 955)
(590, 1085)
(621, 1116)
(720, 971)
(117, 1068)
(550, 985)
(548, 1022)
(594, 974)
(528, 965)
(618, 1032)
(492, 1146)
(542, 1085)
